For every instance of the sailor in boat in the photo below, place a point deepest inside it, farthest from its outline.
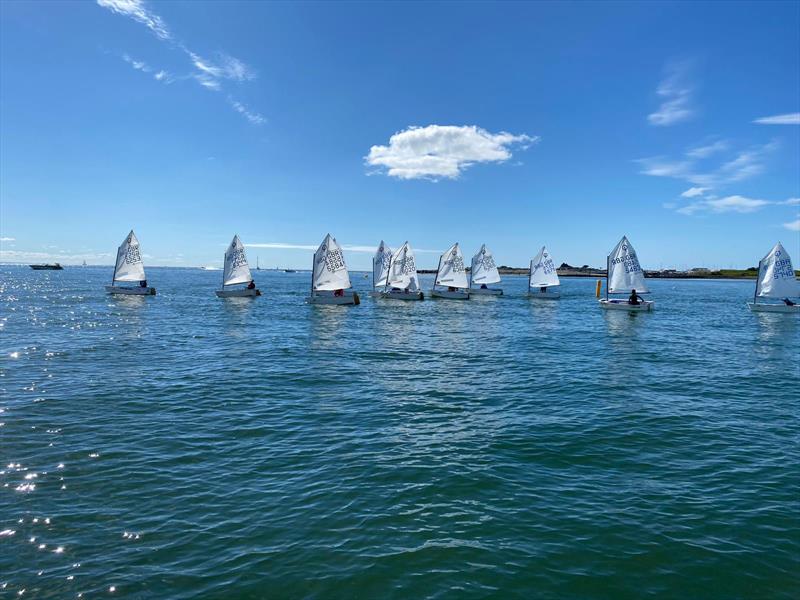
(635, 298)
(484, 286)
(251, 285)
(338, 293)
(450, 288)
(143, 283)
(543, 289)
(788, 302)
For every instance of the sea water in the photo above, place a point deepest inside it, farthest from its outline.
(185, 446)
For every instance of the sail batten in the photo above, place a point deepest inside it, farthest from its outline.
(624, 271)
(129, 265)
(543, 271)
(402, 271)
(776, 277)
(483, 269)
(330, 271)
(236, 268)
(380, 265)
(452, 272)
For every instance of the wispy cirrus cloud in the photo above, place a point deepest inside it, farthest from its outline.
(675, 91)
(787, 119)
(736, 167)
(694, 191)
(138, 11)
(443, 151)
(792, 225)
(209, 73)
(734, 203)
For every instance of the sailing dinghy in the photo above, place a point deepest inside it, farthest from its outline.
(330, 281)
(776, 279)
(483, 272)
(451, 273)
(543, 277)
(380, 269)
(624, 274)
(236, 273)
(402, 282)
(129, 268)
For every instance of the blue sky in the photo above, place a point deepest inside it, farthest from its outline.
(514, 125)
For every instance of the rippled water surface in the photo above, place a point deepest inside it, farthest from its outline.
(184, 446)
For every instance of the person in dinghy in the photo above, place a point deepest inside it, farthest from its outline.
(776, 282)
(330, 281)
(236, 273)
(129, 269)
(451, 274)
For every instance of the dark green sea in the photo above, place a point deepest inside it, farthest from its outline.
(183, 446)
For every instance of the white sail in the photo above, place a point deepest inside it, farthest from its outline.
(451, 269)
(483, 269)
(402, 272)
(236, 268)
(624, 271)
(543, 270)
(776, 278)
(330, 270)
(129, 265)
(380, 265)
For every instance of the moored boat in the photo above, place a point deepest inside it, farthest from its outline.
(543, 281)
(129, 268)
(237, 273)
(330, 281)
(624, 275)
(776, 280)
(483, 271)
(452, 274)
(49, 267)
(402, 282)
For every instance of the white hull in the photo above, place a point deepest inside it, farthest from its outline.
(485, 292)
(774, 308)
(447, 294)
(554, 295)
(131, 291)
(402, 295)
(241, 293)
(645, 306)
(329, 298)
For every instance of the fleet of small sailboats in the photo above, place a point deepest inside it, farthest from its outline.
(624, 275)
(776, 280)
(129, 268)
(394, 276)
(543, 277)
(237, 273)
(451, 274)
(482, 272)
(330, 281)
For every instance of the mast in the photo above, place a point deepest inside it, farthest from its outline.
(437, 272)
(608, 272)
(758, 280)
(114, 275)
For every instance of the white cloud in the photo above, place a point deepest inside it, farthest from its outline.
(707, 150)
(64, 257)
(791, 202)
(252, 116)
(793, 225)
(138, 11)
(676, 94)
(226, 67)
(787, 119)
(694, 191)
(745, 164)
(162, 75)
(735, 203)
(7, 239)
(443, 150)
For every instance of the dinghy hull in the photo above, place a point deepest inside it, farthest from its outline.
(330, 298)
(774, 308)
(645, 306)
(554, 295)
(448, 295)
(237, 293)
(485, 292)
(402, 295)
(131, 291)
